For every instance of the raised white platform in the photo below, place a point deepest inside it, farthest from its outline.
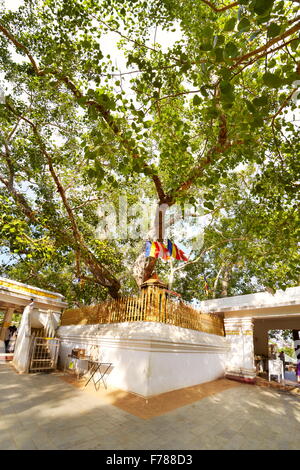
(150, 358)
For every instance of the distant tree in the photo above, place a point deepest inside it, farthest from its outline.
(281, 335)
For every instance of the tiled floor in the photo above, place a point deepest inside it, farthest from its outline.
(44, 412)
(153, 406)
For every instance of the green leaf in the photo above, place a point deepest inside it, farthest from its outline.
(294, 45)
(272, 80)
(212, 112)
(262, 7)
(250, 106)
(231, 50)
(273, 30)
(219, 54)
(244, 25)
(196, 100)
(226, 87)
(257, 122)
(227, 94)
(261, 101)
(225, 74)
(204, 91)
(209, 205)
(230, 24)
(81, 101)
(206, 46)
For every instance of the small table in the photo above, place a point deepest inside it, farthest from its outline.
(77, 360)
(95, 367)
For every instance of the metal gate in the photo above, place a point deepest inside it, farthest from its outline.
(44, 354)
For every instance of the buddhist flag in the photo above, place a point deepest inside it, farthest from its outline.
(151, 250)
(206, 287)
(175, 252)
(156, 250)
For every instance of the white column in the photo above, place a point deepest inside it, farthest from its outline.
(240, 359)
(6, 323)
(22, 348)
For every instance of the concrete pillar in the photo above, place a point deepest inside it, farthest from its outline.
(6, 322)
(22, 348)
(261, 338)
(240, 359)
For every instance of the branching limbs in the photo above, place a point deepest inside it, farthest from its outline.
(219, 10)
(102, 110)
(210, 248)
(100, 273)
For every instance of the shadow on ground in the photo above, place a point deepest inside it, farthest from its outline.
(41, 411)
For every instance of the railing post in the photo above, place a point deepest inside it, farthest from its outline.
(153, 304)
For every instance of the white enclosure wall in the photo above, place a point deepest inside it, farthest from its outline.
(148, 357)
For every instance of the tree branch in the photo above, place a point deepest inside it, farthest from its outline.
(217, 280)
(104, 113)
(102, 275)
(179, 268)
(218, 10)
(21, 47)
(20, 199)
(283, 105)
(264, 54)
(289, 32)
(199, 169)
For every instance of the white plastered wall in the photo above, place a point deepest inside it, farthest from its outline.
(149, 358)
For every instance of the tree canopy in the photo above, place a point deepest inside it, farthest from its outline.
(209, 119)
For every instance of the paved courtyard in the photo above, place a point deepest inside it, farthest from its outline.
(44, 412)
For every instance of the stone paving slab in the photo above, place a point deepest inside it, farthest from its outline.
(155, 405)
(40, 411)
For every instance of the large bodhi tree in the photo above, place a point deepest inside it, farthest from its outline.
(76, 130)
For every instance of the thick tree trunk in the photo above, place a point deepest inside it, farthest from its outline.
(101, 275)
(144, 267)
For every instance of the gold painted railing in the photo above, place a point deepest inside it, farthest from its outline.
(151, 305)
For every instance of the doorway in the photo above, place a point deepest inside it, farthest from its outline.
(274, 340)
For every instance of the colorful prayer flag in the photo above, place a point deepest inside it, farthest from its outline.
(206, 286)
(175, 252)
(182, 256)
(156, 250)
(148, 248)
(163, 251)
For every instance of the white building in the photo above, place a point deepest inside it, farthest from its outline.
(149, 355)
(247, 320)
(40, 309)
